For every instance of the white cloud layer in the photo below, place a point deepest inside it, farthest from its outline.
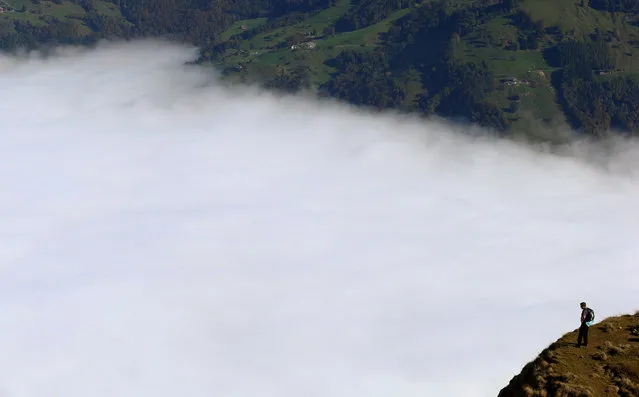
(163, 236)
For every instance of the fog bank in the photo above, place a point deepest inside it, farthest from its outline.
(163, 235)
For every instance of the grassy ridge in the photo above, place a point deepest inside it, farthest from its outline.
(607, 367)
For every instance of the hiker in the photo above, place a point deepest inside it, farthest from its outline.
(587, 317)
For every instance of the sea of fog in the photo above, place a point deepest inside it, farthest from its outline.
(161, 235)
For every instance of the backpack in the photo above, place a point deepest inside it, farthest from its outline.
(590, 316)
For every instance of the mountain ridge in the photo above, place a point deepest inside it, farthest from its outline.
(533, 67)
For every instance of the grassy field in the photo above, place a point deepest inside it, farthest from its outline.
(571, 17)
(43, 12)
(269, 48)
(567, 14)
(236, 28)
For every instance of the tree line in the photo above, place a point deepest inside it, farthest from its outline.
(592, 99)
(615, 5)
(194, 21)
(423, 41)
(368, 12)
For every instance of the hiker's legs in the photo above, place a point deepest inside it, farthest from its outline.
(585, 327)
(583, 334)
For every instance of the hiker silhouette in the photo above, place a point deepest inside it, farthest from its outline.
(587, 318)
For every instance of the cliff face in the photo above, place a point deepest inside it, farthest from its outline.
(608, 366)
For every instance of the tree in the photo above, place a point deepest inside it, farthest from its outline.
(510, 5)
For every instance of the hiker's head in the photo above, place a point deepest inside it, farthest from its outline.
(583, 305)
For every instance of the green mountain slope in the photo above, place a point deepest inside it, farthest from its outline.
(531, 66)
(608, 366)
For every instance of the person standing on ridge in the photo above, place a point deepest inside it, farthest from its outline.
(587, 317)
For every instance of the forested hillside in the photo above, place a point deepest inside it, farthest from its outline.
(514, 65)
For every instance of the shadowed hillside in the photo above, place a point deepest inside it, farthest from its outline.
(609, 366)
